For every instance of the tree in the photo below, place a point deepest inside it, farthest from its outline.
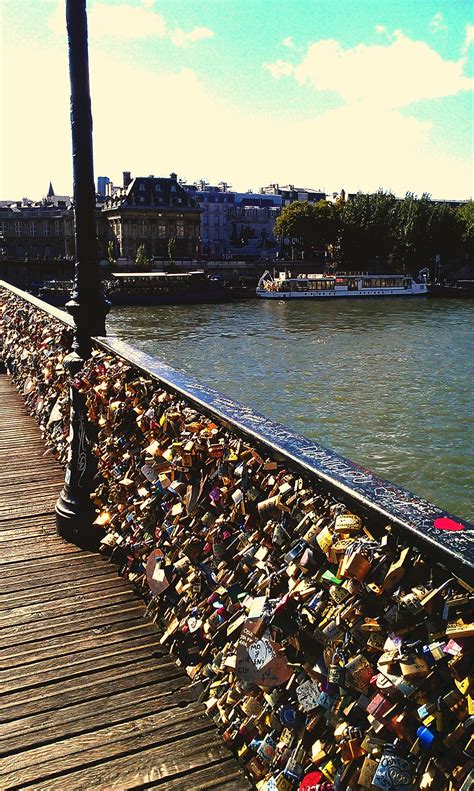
(111, 253)
(327, 223)
(368, 231)
(426, 230)
(466, 216)
(171, 250)
(310, 228)
(141, 259)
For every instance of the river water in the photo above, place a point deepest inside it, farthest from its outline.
(387, 383)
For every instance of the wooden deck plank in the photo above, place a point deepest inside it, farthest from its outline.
(59, 646)
(90, 699)
(35, 613)
(87, 749)
(21, 582)
(60, 724)
(133, 771)
(50, 600)
(225, 777)
(78, 664)
(16, 705)
(50, 593)
(60, 627)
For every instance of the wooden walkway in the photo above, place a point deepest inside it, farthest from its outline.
(88, 698)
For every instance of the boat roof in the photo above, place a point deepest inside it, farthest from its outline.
(319, 276)
(157, 275)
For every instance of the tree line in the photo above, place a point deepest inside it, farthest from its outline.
(379, 232)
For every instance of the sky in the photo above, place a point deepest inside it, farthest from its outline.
(325, 94)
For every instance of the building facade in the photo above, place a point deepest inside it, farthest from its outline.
(102, 182)
(290, 193)
(40, 230)
(236, 225)
(150, 211)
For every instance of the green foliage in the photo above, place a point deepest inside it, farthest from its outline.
(378, 232)
(309, 227)
(466, 217)
(368, 230)
(172, 249)
(141, 259)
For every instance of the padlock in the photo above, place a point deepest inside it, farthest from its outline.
(413, 666)
(394, 772)
(367, 772)
(336, 670)
(351, 745)
(356, 563)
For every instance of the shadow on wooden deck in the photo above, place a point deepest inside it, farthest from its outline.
(88, 698)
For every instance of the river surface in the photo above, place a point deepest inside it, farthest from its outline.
(387, 383)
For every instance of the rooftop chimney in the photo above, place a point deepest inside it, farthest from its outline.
(126, 178)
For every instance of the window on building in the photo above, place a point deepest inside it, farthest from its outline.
(18, 228)
(32, 228)
(142, 187)
(45, 228)
(3, 227)
(142, 227)
(56, 228)
(180, 229)
(162, 231)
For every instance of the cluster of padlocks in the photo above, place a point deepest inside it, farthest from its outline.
(34, 347)
(330, 652)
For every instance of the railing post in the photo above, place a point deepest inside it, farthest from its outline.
(87, 306)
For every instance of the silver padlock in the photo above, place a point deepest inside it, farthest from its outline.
(336, 670)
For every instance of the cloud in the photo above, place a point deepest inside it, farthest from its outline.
(120, 21)
(438, 24)
(288, 42)
(182, 39)
(355, 147)
(281, 68)
(384, 75)
(123, 22)
(469, 36)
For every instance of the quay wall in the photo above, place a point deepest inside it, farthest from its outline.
(321, 612)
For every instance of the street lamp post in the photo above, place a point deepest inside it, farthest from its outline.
(88, 306)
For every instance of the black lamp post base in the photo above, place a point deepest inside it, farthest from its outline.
(74, 523)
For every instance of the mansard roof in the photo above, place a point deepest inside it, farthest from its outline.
(152, 192)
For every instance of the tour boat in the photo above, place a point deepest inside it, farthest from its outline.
(317, 286)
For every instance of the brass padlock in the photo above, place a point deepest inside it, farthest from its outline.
(413, 666)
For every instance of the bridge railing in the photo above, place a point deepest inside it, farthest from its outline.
(322, 611)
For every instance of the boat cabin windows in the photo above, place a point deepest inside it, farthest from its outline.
(322, 285)
(383, 282)
(305, 284)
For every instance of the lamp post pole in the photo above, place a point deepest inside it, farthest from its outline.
(88, 306)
